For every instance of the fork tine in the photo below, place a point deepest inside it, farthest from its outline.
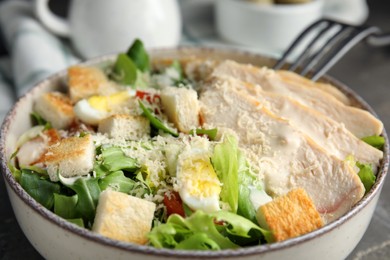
(309, 47)
(346, 45)
(331, 51)
(329, 44)
(296, 42)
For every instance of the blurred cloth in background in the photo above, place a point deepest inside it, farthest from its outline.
(33, 52)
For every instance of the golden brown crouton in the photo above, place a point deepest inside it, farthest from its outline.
(56, 108)
(290, 216)
(182, 107)
(123, 217)
(85, 82)
(125, 126)
(72, 156)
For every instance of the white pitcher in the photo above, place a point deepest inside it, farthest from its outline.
(98, 27)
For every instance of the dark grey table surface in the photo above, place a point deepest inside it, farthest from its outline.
(365, 69)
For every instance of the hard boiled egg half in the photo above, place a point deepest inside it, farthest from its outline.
(198, 184)
(96, 108)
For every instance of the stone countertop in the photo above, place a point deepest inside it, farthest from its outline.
(365, 69)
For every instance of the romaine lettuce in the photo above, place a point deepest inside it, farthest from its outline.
(65, 206)
(114, 159)
(375, 141)
(139, 55)
(251, 191)
(125, 71)
(366, 175)
(116, 181)
(88, 192)
(40, 188)
(203, 231)
(154, 121)
(195, 232)
(225, 163)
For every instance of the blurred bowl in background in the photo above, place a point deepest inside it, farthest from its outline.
(354, 12)
(268, 27)
(99, 27)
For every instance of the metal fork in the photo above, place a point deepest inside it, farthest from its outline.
(330, 41)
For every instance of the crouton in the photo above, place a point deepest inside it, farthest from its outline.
(181, 106)
(85, 82)
(123, 217)
(125, 126)
(72, 156)
(290, 215)
(56, 108)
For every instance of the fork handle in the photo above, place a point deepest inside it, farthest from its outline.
(379, 40)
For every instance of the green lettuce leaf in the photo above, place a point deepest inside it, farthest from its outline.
(366, 175)
(201, 231)
(198, 241)
(225, 163)
(142, 81)
(124, 71)
(77, 221)
(38, 187)
(211, 133)
(114, 159)
(116, 181)
(375, 141)
(38, 120)
(16, 173)
(177, 67)
(195, 232)
(245, 207)
(251, 193)
(88, 192)
(243, 230)
(65, 206)
(154, 121)
(139, 55)
(176, 74)
(30, 134)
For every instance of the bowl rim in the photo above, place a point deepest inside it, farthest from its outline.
(149, 250)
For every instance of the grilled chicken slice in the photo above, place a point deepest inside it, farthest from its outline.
(289, 77)
(360, 122)
(329, 134)
(282, 155)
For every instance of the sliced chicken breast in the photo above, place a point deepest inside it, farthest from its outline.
(329, 134)
(282, 155)
(289, 77)
(360, 122)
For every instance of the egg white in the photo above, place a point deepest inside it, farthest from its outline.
(86, 113)
(198, 184)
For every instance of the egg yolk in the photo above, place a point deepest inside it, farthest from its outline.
(106, 103)
(200, 178)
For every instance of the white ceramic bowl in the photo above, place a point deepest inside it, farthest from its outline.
(268, 28)
(100, 26)
(56, 238)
